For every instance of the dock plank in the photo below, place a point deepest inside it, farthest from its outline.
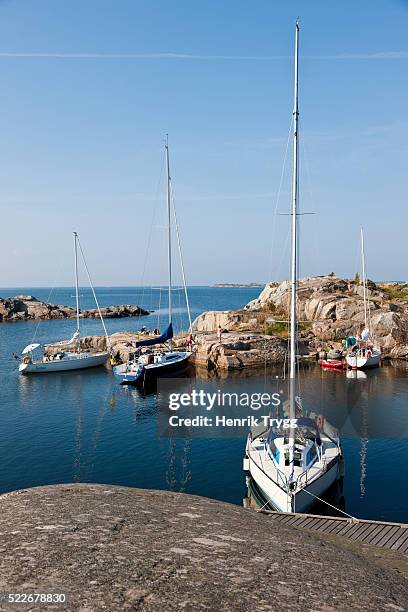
(404, 547)
(306, 522)
(368, 532)
(363, 532)
(335, 526)
(388, 536)
(393, 536)
(378, 535)
(328, 526)
(399, 543)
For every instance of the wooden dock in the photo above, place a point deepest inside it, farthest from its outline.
(393, 536)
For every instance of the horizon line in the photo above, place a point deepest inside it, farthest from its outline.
(227, 285)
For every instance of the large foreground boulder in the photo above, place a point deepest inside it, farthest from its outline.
(116, 548)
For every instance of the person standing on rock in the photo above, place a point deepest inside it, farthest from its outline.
(219, 334)
(189, 342)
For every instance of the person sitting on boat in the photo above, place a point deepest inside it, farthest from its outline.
(156, 331)
(143, 329)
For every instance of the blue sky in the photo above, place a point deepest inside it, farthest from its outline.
(88, 90)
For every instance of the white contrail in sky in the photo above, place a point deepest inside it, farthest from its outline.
(382, 55)
(143, 56)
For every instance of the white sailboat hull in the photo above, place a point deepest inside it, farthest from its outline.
(304, 498)
(72, 361)
(358, 362)
(143, 374)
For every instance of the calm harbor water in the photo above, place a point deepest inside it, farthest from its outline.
(83, 427)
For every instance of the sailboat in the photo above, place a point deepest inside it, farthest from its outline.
(144, 369)
(67, 354)
(294, 467)
(364, 354)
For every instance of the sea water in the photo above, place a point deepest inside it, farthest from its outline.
(83, 427)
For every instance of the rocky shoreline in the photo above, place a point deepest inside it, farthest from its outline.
(28, 308)
(330, 309)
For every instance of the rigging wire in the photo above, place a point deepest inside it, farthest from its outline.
(39, 321)
(54, 286)
(180, 255)
(278, 194)
(368, 297)
(149, 239)
(93, 292)
(158, 312)
(310, 192)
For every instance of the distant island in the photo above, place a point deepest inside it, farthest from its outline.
(28, 308)
(238, 285)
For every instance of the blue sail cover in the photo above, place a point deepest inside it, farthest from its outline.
(159, 340)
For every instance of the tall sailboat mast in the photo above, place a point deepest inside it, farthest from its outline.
(293, 322)
(76, 278)
(169, 231)
(364, 278)
(290, 481)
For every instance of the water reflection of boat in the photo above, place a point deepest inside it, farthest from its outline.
(362, 377)
(178, 471)
(356, 374)
(294, 467)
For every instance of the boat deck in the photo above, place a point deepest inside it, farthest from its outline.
(393, 536)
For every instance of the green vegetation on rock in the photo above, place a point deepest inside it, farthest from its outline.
(281, 328)
(395, 291)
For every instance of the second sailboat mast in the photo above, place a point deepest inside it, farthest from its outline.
(364, 277)
(169, 232)
(76, 278)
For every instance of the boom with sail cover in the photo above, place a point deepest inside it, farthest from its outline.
(72, 341)
(168, 334)
(30, 348)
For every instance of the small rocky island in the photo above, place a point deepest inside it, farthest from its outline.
(28, 308)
